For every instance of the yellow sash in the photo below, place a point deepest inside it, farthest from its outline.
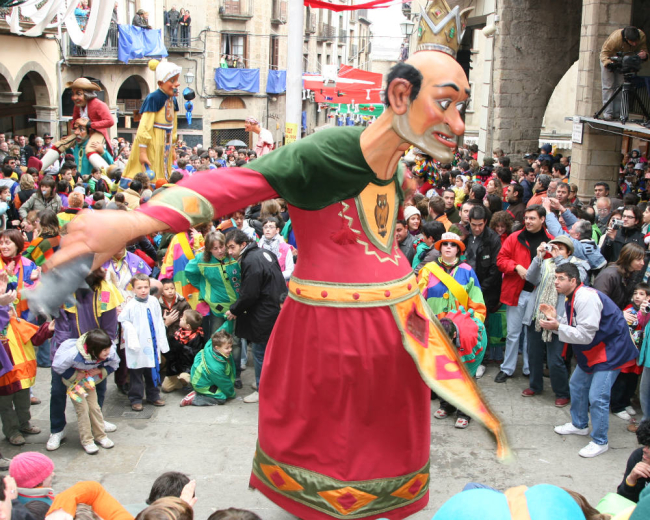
(450, 282)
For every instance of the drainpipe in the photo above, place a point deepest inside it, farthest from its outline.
(59, 80)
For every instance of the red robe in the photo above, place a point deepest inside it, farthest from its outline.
(100, 118)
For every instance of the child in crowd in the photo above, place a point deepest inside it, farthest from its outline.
(33, 473)
(459, 190)
(213, 373)
(624, 388)
(144, 339)
(173, 306)
(82, 363)
(184, 345)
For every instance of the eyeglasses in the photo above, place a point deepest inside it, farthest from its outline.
(628, 216)
(447, 244)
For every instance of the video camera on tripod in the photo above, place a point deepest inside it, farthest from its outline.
(625, 63)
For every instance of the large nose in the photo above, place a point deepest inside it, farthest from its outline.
(454, 121)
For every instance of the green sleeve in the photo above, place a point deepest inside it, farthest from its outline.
(319, 170)
(193, 273)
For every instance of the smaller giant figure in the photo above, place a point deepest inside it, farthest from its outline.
(153, 145)
(97, 118)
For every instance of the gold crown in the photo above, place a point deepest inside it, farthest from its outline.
(441, 28)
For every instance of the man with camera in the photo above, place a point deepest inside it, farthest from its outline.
(621, 232)
(629, 41)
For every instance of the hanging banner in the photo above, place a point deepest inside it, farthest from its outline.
(375, 4)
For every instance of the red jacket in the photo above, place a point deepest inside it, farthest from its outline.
(100, 118)
(514, 252)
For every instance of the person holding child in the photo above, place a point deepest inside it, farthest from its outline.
(82, 363)
(184, 345)
(144, 338)
(213, 373)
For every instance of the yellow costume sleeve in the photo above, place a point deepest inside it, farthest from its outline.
(145, 128)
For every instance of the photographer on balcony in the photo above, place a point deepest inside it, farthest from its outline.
(628, 41)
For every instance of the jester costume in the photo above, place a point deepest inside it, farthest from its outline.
(182, 249)
(157, 133)
(344, 420)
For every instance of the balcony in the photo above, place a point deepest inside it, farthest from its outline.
(354, 50)
(236, 10)
(326, 32)
(279, 12)
(363, 16)
(310, 24)
(107, 52)
(343, 37)
(25, 22)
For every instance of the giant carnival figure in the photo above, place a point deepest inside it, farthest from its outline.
(345, 395)
(97, 119)
(153, 145)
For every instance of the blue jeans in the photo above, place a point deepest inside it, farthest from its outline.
(644, 393)
(43, 355)
(592, 389)
(58, 397)
(259, 349)
(514, 317)
(173, 33)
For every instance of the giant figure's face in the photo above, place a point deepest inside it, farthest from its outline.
(433, 120)
(78, 97)
(170, 87)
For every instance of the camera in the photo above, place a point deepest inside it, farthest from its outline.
(625, 64)
(617, 223)
(549, 247)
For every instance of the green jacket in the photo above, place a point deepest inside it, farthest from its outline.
(213, 375)
(218, 281)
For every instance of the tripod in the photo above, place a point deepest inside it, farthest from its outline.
(627, 93)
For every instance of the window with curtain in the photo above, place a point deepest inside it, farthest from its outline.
(234, 46)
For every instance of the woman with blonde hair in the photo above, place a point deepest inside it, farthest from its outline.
(27, 189)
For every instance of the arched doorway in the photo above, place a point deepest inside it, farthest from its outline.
(130, 97)
(15, 117)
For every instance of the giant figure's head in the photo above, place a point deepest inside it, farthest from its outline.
(83, 90)
(167, 75)
(428, 93)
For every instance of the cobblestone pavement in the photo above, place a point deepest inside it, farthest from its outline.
(215, 446)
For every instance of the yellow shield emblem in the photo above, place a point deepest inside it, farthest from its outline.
(377, 208)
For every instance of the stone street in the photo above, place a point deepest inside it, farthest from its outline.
(215, 446)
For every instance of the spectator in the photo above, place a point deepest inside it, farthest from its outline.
(213, 373)
(544, 346)
(173, 305)
(185, 22)
(141, 19)
(617, 280)
(502, 224)
(494, 203)
(437, 211)
(515, 199)
(630, 232)
(173, 19)
(424, 251)
(184, 345)
(273, 241)
(258, 305)
(413, 220)
(450, 207)
(33, 473)
(405, 240)
(513, 261)
(598, 333)
(637, 472)
(528, 182)
(541, 189)
(45, 198)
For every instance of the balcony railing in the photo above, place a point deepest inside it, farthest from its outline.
(236, 9)
(310, 24)
(108, 50)
(25, 21)
(326, 31)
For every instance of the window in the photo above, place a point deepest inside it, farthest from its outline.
(274, 53)
(470, 101)
(234, 46)
(130, 10)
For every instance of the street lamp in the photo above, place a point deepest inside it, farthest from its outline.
(189, 77)
(407, 27)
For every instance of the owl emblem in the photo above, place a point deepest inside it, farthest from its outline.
(381, 214)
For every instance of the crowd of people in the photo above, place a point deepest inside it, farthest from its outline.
(508, 258)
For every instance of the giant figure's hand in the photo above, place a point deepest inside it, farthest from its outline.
(144, 158)
(102, 233)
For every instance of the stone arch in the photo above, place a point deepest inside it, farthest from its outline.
(532, 53)
(40, 80)
(133, 88)
(144, 85)
(232, 102)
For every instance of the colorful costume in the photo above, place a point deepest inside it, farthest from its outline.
(181, 250)
(213, 375)
(347, 445)
(445, 291)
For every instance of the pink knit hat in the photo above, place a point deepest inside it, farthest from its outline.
(31, 468)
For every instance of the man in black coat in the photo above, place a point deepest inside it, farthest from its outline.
(258, 305)
(482, 246)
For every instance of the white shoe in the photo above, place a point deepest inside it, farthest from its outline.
(623, 415)
(593, 450)
(106, 443)
(109, 427)
(252, 398)
(54, 442)
(569, 429)
(480, 371)
(254, 386)
(91, 448)
(630, 410)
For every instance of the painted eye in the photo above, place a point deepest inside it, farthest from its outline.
(444, 103)
(462, 106)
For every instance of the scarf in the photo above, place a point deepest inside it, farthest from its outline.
(184, 336)
(547, 294)
(272, 244)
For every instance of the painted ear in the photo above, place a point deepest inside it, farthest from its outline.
(399, 91)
